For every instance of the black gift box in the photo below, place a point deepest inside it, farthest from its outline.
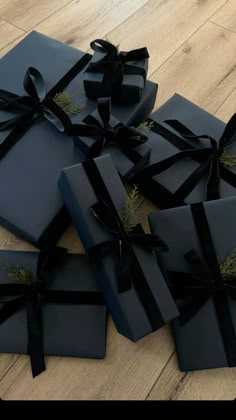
(129, 307)
(120, 75)
(68, 329)
(31, 204)
(199, 339)
(160, 183)
(115, 139)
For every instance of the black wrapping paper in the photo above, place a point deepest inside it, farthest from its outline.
(127, 311)
(160, 188)
(199, 342)
(31, 205)
(68, 329)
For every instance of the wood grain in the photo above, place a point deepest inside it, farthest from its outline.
(157, 23)
(203, 69)
(228, 108)
(8, 33)
(87, 20)
(226, 16)
(28, 13)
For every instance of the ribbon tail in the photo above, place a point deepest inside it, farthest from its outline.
(126, 262)
(213, 183)
(35, 341)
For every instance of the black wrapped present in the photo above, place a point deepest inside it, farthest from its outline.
(50, 304)
(119, 75)
(101, 133)
(193, 156)
(122, 256)
(201, 267)
(41, 78)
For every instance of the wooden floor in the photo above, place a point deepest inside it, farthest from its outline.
(192, 44)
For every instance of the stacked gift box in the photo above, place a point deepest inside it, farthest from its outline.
(75, 130)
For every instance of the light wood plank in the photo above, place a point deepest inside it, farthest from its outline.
(8, 33)
(128, 372)
(228, 108)
(215, 384)
(81, 22)
(28, 13)
(163, 26)
(226, 16)
(203, 69)
(167, 382)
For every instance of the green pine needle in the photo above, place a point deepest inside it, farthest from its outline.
(18, 274)
(128, 213)
(228, 266)
(65, 101)
(145, 127)
(228, 159)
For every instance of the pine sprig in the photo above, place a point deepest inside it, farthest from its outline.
(128, 213)
(228, 159)
(18, 274)
(228, 266)
(65, 101)
(145, 127)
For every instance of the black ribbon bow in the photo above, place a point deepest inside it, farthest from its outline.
(205, 281)
(126, 138)
(130, 272)
(36, 103)
(208, 157)
(114, 65)
(15, 296)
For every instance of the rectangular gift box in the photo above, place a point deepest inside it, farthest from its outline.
(128, 312)
(160, 188)
(131, 88)
(126, 163)
(68, 329)
(31, 205)
(199, 341)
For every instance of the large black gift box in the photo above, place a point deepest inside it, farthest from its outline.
(118, 74)
(36, 151)
(68, 309)
(123, 262)
(176, 174)
(202, 275)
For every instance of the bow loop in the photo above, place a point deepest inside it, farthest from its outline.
(34, 84)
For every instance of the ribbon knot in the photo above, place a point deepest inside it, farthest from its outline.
(126, 138)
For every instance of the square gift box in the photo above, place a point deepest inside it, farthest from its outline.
(202, 242)
(118, 74)
(56, 311)
(177, 173)
(123, 260)
(32, 150)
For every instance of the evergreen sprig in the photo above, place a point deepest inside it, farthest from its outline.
(228, 266)
(128, 213)
(18, 274)
(65, 101)
(227, 158)
(145, 127)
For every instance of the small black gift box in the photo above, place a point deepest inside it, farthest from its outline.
(201, 269)
(50, 304)
(41, 78)
(193, 156)
(101, 133)
(123, 260)
(119, 75)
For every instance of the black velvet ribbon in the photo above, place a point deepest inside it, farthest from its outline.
(15, 296)
(114, 65)
(129, 269)
(206, 281)
(208, 157)
(126, 138)
(36, 103)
